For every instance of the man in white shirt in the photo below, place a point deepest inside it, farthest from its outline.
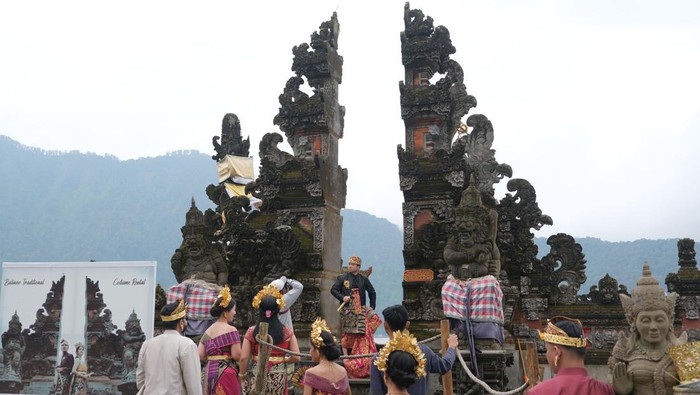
(290, 290)
(169, 363)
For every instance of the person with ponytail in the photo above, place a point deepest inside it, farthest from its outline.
(268, 303)
(327, 377)
(219, 347)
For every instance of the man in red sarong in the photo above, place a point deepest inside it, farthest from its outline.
(358, 321)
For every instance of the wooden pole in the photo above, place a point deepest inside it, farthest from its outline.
(263, 357)
(447, 377)
(533, 368)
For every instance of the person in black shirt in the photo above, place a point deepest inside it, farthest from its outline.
(358, 321)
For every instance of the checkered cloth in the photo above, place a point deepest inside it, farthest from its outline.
(199, 296)
(484, 299)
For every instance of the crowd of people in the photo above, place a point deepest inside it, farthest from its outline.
(225, 363)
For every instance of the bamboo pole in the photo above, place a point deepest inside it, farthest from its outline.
(263, 357)
(447, 377)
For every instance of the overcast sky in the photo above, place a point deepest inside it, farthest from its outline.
(594, 102)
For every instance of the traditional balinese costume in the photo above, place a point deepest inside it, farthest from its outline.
(276, 374)
(402, 341)
(569, 381)
(63, 378)
(79, 384)
(358, 322)
(220, 376)
(169, 363)
(322, 385)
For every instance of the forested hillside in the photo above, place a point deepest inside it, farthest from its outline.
(79, 207)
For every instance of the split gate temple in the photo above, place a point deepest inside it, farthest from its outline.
(452, 218)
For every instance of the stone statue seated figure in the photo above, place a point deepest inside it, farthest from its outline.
(640, 363)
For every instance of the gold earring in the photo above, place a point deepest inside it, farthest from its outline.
(556, 361)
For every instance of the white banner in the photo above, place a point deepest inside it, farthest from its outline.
(79, 302)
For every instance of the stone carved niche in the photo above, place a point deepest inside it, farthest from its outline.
(563, 270)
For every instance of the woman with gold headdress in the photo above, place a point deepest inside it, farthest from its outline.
(268, 302)
(80, 371)
(566, 348)
(219, 347)
(402, 362)
(326, 378)
(640, 362)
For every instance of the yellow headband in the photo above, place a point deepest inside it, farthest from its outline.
(179, 313)
(268, 290)
(317, 328)
(402, 341)
(555, 335)
(225, 295)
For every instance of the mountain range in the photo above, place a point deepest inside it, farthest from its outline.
(71, 206)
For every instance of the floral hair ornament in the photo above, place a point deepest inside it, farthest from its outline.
(355, 260)
(179, 313)
(268, 290)
(319, 326)
(555, 335)
(225, 295)
(402, 341)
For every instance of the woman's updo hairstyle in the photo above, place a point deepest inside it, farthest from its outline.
(330, 349)
(401, 368)
(224, 302)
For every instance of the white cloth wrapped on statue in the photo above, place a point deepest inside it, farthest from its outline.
(482, 298)
(237, 168)
(199, 295)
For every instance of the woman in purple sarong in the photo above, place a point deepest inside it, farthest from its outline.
(220, 346)
(326, 378)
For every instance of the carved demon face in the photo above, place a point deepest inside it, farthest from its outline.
(195, 246)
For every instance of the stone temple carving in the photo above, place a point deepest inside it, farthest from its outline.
(471, 249)
(644, 353)
(197, 258)
(13, 346)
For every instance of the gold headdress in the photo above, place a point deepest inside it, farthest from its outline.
(686, 359)
(268, 290)
(402, 341)
(555, 335)
(177, 314)
(316, 328)
(225, 295)
(79, 345)
(648, 296)
(355, 260)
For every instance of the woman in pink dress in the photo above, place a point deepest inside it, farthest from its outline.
(326, 378)
(219, 347)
